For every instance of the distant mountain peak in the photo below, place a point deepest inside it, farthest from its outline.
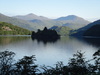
(31, 16)
(69, 17)
(72, 16)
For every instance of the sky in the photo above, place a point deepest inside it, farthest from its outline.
(87, 9)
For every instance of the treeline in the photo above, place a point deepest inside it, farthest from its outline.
(9, 29)
(47, 34)
(77, 65)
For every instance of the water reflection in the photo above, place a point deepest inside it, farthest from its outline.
(46, 53)
(90, 41)
(5, 40)
(45, 41)
(93, 41)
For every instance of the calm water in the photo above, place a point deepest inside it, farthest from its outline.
(48, 53)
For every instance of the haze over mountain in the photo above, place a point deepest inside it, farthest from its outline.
(34, 22)
(40, 20)
(70, 21)
(73, 21)
(31, 16)
(21, 23)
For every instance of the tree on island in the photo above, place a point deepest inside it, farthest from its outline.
(45, 34)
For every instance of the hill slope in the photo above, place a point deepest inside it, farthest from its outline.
(73, 21)
(40, 20)
(34, 22)
(20, 23)
(9, 29)
(82, 30)
(94, 31)
(62, 30)
(30, 16)
(70, 21)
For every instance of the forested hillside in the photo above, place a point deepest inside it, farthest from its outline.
(90, 28)
(10, 29)
(94, 31)
(62, 30)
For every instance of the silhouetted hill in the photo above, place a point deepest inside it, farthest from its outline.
(94, 31)
(82, 30)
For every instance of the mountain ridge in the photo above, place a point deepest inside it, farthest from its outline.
(81, 31)
(34, 22)
(31, 16)
(71, 21)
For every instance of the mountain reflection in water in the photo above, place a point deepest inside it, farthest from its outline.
(47, 53)
(93, 41)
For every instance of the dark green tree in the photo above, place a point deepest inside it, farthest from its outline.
(26, 66)
(6, 62)
(78, 65)
(97, 61)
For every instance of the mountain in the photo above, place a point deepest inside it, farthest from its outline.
(33, 22)
(73, 21)
(21, 23)
(62, 30)
(9, 29)
(93, 31)
(70, 17)
(31, 16)
(81, 31)
(39, 20)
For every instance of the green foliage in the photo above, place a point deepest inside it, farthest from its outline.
(6, 62)
(9, 29)
(26, 66)
(78, 64)
(63, 30)
(97, 60)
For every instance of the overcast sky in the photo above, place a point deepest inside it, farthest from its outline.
(88, 9)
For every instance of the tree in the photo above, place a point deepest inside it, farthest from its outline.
(6, 62)
(78, 65)
(26, 65)
(45, 29)
(97, 61)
